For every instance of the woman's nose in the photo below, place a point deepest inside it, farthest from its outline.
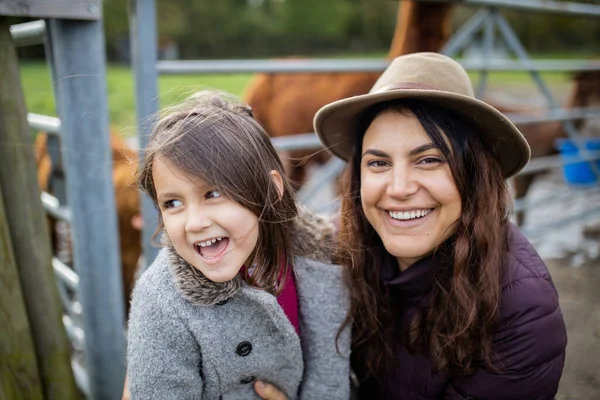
(402, 183)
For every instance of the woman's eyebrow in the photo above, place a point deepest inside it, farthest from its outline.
(376, 153)
(422, 148)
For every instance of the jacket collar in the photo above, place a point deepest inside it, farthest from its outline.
(418, 279)
(312, 237)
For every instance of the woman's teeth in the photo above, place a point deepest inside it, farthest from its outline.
(406, 215)
(209, 242)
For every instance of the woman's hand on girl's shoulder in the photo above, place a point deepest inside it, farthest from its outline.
(267, 391)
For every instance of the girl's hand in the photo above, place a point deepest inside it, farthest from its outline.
(267, 391)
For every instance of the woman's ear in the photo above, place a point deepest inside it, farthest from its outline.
(278, 179)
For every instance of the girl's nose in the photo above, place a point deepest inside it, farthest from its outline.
(197, 220)
(402, 183)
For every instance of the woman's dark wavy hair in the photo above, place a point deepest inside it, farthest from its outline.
(455, 330)
(213, 137)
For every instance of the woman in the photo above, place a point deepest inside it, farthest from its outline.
(449, 300)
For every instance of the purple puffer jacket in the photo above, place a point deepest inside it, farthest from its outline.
(530, 340)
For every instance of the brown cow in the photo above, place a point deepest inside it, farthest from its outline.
(127, 204)
(285, 104)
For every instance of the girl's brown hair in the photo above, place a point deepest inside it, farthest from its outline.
(455, 329)
(213, 137)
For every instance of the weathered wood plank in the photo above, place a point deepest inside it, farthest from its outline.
(19, 378)
(27, 226)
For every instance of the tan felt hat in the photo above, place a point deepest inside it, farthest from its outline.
(437, 79)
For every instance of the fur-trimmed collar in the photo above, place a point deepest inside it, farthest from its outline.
(312, 237)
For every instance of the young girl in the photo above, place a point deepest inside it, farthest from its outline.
(243, 289)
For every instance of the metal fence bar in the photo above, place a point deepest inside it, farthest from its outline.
(66, 274)
(507, 65)
(488, 48)
(303, 141)
(77, 53)
(270, 65)
(75, 333)
(513, 42)
(544, 163)
(547, 6)
(82, 378)
(464, 34)
(52, 207)
(143, 37)
(28, 33)
(354, 65)
(559, 114)
(44, 123)
(328, 172)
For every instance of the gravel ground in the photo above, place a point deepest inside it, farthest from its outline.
(573, 260)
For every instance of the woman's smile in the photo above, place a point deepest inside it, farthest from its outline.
(413, 218)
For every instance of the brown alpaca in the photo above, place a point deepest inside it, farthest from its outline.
(285, 104)
(127, 204)
(542, 136)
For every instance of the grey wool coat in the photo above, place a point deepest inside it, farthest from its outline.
(191, 338)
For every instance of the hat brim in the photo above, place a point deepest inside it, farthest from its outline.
(337, 123)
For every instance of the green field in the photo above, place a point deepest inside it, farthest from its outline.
(172, 88)
(37, 86)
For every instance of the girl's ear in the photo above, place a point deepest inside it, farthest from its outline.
(278, 179)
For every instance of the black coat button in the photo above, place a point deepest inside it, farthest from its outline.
(247, 380)
(244, 349)
(220, 303)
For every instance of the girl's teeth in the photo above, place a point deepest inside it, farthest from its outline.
(209, 242)
(409, 214)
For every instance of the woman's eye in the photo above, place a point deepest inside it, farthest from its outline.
(430, 160)
(213, 194)
(377, 164)
(172, 203)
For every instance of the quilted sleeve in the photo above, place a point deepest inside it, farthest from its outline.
(529, 344)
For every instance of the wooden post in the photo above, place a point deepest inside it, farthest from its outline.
(27, 226)
(19, 377)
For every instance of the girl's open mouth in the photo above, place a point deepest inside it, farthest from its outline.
(212, 248)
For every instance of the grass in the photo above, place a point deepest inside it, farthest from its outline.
(37, 87)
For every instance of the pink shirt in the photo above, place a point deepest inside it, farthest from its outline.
(287, 299)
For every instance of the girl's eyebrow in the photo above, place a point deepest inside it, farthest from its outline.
(166, 195)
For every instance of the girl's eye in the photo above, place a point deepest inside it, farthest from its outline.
(377, 164)
(172, 203)
(213, 194)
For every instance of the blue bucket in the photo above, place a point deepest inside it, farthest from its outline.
(579, 173)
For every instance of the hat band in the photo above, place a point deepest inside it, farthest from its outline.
(405, 85)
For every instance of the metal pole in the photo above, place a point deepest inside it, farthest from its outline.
(547, 6)
(488, 49)
(462, 37)
(28, 33)
(142, 16)
(78, 55)
(513, 41)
